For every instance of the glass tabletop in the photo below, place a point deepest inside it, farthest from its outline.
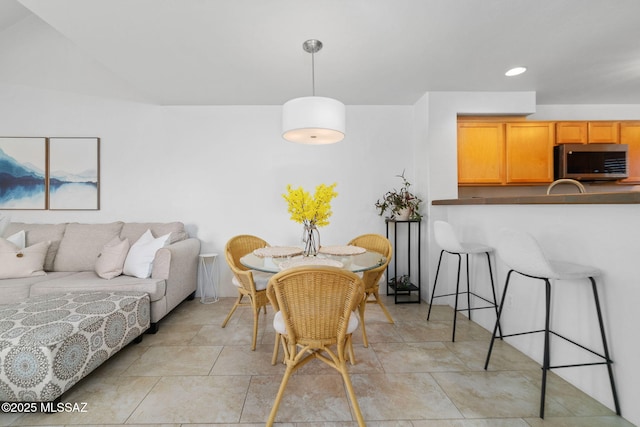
(355, 263)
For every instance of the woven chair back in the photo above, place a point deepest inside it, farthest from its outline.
(239, 246)
(376, 243)
(315, 303)
(236, 248)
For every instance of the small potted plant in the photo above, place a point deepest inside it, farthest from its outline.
(400, 204)
(400, 283)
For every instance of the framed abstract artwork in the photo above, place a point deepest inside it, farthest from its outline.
(23, 172)
(74, 173)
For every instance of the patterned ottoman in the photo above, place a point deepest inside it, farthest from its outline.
(50, 342)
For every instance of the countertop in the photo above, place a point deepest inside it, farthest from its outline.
(630, 197)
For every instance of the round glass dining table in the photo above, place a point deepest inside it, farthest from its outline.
(355, 263)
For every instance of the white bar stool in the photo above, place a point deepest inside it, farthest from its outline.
(447, 240)
(522, 254)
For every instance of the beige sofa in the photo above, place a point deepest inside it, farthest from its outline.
(74, 249)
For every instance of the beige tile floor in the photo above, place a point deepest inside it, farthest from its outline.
(192, 372)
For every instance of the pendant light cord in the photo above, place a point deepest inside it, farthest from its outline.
(313, 74)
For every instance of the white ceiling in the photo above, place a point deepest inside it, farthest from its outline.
(378, 52)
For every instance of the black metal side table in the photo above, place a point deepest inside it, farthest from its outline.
(401, 286)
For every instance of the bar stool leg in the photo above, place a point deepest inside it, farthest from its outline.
(605, 346)
(493, 292)
(435, 282)
(468, 290)
(495, 328)
(455, 308)
(546, 357)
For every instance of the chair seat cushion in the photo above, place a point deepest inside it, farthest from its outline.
(569, 271)
(278, 323)
(259, 278)
(475, 248)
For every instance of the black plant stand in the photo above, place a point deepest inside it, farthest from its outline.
(401, 286)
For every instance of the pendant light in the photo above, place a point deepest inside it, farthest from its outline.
(313, 119)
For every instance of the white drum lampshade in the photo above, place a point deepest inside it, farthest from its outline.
(313, 120)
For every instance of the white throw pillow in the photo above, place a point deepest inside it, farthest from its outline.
(139, 260)
(17, 262)
(110, 262)
(19, 239)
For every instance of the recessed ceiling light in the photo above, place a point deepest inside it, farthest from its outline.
(515, 71)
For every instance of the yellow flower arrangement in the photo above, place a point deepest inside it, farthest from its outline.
(308, 210)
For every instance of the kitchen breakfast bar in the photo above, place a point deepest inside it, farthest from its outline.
(600, 230)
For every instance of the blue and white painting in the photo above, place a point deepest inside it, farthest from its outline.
(22, 173)
(73, 173)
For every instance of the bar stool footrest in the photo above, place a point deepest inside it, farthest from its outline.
(470, 293)
(595, 353)
(476, 308)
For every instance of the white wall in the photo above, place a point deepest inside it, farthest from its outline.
(586, 112)
(220, 170)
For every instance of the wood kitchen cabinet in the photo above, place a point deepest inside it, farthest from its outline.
(630, 135)
(604, 132)
(496, 153)
(520, 152)
(571, 132)
(481, 153)
(529, 152)
(579, 132)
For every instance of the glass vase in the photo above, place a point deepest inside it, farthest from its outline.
(311, 240)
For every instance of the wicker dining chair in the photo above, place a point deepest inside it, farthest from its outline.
(372, 278)
(315, 307)
(279, 328)
(250, 283)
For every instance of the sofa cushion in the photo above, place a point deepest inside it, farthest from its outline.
(16, 290)
(16, 262)
(81, 245)
(89, 280)
(110, 260)
(134, 230)
(139, 260)
(36, 233)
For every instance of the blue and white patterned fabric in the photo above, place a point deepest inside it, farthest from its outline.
(50, 342)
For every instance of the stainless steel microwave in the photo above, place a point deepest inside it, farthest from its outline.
(590, 162)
